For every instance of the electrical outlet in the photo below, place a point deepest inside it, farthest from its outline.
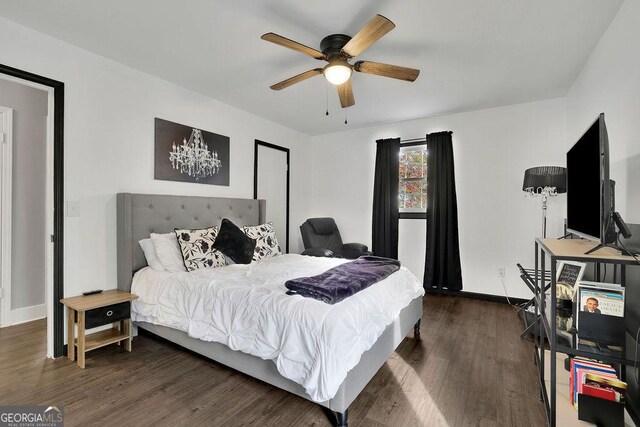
(501, 272)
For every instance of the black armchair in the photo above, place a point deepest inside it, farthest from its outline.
(322, 238)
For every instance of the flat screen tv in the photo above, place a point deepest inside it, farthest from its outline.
(589, 192)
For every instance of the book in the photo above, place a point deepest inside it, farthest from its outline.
(582, 372)
(601, 298)
(606, 382)
(604, 387)
(600, 393)
(569, 273)
(577, 372)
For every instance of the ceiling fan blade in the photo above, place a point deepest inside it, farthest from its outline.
(296, 79)
(345, 92)
(283, 41)
(369, 34)
(386, 70)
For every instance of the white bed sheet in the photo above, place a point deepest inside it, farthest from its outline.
(245, 307)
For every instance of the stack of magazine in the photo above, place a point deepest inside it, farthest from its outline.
(596, 392)
(591, 378)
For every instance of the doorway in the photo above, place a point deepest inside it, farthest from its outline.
(271, 183)
(52, 233)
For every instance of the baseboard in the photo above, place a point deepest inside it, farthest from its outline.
(474, 295)
(27, 314)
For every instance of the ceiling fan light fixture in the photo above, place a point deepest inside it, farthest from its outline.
(337, 72)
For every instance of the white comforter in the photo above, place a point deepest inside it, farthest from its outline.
(245, 307)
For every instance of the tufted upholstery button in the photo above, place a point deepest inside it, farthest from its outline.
(230, 208)
(150, 206)
(239, 216)
(182, 207)
(168, 218)
(208, 206)
(195, 218)
(220, 218)
(250, 206)
(151, 230)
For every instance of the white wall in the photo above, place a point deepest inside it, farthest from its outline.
(28, 235)
(492, 148)
(610, 83)
(109, 131)
(109, 111)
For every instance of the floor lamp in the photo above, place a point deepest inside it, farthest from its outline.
(545, 181)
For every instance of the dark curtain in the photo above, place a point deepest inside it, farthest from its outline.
(385, 199)
(442, 264)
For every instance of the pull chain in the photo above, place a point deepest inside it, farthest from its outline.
(327, 98)
(345, 116)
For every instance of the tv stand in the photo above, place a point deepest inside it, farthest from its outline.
(623, 251)
(548, 252)
(599, 246)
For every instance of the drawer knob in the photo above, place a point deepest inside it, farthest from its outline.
(110, 313)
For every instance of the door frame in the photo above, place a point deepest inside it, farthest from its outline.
(5, 214)
(259, 143)
(55, 200)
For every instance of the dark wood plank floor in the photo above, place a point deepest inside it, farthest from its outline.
(470, 368)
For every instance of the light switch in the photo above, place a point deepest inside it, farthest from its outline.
(73, 208)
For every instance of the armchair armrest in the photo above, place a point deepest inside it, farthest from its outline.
(319, 252)
(355, 250)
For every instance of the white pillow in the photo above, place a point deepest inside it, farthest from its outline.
(168, 251)
(149, 250)
(197, 248)
(266, 241)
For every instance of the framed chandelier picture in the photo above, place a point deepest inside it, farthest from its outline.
(188, 154)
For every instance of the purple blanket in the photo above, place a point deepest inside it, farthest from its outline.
(342, 281)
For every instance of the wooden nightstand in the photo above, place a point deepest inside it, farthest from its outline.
(91, 311)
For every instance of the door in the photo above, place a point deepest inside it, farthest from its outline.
(6, 159)
(271, 182)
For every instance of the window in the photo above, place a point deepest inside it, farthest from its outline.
(412, 185)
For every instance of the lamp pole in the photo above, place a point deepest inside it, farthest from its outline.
(544, 214)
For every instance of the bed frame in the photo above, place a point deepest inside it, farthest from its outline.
(142, 214)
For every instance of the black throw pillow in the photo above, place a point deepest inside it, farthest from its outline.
(232, 242)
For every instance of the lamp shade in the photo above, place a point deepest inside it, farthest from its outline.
(337, 74)
(545, 176)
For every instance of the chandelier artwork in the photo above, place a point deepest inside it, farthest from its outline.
(194, 158)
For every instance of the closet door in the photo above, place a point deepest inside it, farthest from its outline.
(271, 182)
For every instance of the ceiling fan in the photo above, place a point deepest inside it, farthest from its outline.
(337, 50)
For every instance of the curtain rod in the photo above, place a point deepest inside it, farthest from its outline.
(423, 139)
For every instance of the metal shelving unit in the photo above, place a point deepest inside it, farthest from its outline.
(566, 250)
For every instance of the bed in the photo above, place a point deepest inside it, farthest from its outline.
(138, 215)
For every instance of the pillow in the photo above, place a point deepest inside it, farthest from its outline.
(266, 240)
(232, 242)
(197, 250)
(150, 254)
(168, 252)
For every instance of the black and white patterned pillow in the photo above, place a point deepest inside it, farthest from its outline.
(266, 241)
(197, 248)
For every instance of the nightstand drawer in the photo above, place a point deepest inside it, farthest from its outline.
(105, 315)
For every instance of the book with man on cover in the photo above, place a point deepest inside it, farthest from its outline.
(601, 298)
(600, 309)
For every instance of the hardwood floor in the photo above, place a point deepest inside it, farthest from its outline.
(470, 368)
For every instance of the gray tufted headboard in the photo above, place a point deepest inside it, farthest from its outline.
(142, 214)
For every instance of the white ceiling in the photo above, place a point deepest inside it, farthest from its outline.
(472, 53)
